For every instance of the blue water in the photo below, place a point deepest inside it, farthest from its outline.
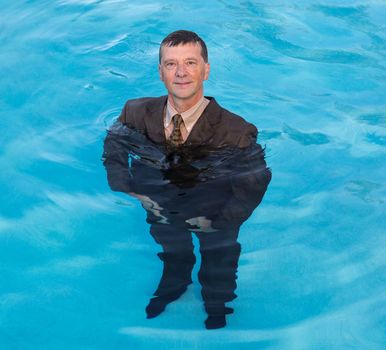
(77, 263)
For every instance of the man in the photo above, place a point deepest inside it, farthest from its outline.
(185, 116)
(196, 168)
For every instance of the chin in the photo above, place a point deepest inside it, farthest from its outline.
(187, 93)
(184, 96)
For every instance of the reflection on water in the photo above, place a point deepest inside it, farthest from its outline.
(210, 192)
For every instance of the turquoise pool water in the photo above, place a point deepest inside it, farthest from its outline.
(78, 265)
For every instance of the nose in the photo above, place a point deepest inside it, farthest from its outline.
(181, 70)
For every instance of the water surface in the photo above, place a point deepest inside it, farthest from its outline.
(311, 76)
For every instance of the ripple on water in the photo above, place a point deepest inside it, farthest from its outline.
(376, 138)
(108, 117)
(269, 134)
(364, 189)
(118, 74)
(376, 119)
(345, 12)
(314, 138)
(116, 45)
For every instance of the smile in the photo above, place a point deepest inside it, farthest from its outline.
(182, 84)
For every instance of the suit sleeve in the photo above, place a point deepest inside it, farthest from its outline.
(115, 160)
(122, 116)
(248, 136)
(249, 181)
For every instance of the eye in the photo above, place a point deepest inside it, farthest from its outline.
(191, 63)
(170, 65)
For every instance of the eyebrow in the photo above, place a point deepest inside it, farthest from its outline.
(186, 59)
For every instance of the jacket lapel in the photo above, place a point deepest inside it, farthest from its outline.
(154, 120)
(204, 130)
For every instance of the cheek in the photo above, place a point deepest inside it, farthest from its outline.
(164, 75)
(167, 77)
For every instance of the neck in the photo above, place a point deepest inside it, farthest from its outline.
(182, 105)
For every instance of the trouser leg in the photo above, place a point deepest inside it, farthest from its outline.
(220, 254)
(177, 257)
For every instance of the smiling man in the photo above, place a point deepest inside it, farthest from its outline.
(185, 116)
(197, 169)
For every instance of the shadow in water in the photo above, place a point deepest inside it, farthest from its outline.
(185, 190)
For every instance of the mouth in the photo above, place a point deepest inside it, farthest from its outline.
(183, 84)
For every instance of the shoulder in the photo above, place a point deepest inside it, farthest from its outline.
(235, 121)
(134, 109)
(138, 104)
(236, 129)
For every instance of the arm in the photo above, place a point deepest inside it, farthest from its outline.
(115, 159)
(249, 178)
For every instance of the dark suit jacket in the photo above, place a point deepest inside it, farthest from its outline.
(216, 127)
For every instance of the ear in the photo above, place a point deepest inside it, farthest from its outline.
(161, 76)
(207, 71)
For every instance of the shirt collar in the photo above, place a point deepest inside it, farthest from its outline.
(188, 116)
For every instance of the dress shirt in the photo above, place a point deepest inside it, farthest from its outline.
(189, 117)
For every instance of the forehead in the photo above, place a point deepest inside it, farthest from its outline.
(181, 51)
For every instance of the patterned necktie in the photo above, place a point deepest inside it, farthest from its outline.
(176, 137)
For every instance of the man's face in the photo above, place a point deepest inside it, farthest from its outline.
(183, 71)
